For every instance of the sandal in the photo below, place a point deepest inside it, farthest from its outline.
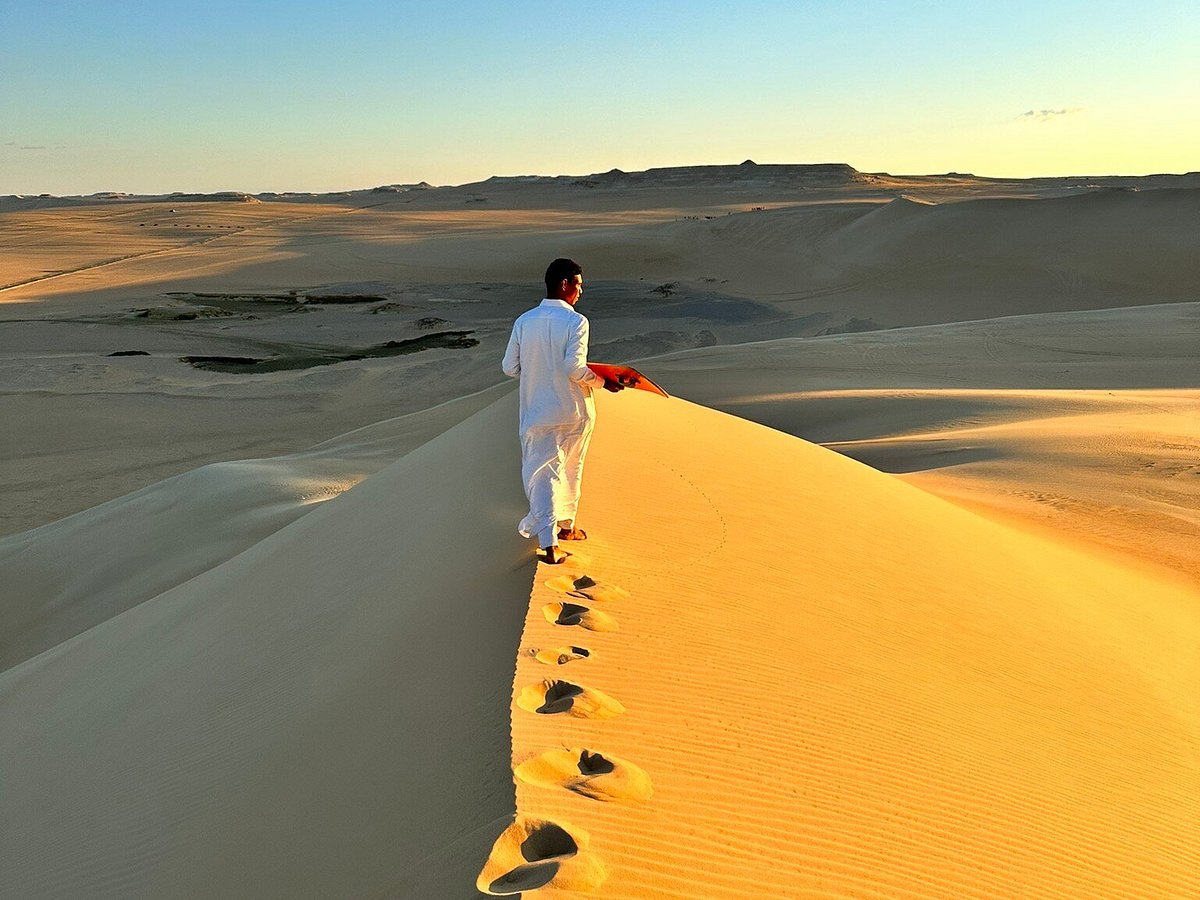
(572, 534)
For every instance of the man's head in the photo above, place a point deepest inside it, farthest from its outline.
(564, 280)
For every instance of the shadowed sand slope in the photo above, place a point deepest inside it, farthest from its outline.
(837, 685)
(323, 715)
(135, 547)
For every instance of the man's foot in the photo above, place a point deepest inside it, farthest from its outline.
(572, 534)
(553, 556)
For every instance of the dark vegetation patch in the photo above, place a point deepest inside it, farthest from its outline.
(852, 326)
(224, 363)
(179, 313)
(130, 353)
(343, 298)
(444, 340)
(290, 297)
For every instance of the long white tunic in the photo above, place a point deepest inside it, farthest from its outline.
(548, 352)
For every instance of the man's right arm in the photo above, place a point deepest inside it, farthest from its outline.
(512, 356)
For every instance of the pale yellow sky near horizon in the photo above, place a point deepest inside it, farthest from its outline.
(274, 96)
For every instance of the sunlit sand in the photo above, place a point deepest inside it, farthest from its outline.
(896, 596)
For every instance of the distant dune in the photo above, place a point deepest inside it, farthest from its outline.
(1082, 425)
(748, 174)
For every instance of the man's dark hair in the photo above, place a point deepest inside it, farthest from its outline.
(559, 269)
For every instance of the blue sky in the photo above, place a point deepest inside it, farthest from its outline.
(159, 96)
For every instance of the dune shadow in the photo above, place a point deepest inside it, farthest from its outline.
(904, 457)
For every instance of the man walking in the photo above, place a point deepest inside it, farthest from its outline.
(548, 352)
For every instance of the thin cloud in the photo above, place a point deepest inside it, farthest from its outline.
(1042, 115)
(33, 147)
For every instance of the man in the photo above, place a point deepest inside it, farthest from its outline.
(548, 352)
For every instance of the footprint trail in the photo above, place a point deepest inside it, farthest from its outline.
(536, 852)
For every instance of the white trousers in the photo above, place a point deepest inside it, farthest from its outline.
(552, 470)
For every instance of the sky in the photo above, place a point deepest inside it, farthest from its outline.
(151, 97)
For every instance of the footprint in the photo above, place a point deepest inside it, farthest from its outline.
(574, 614)
(586, 587)
(600, 777)
(535, 853)
(551, 697)
(560, 656)
(573, 565)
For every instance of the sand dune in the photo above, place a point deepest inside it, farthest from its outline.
(323, 714)
(1121, 475)
(1084, 424)
(965, 671)
(823, 682)
(995, 255)
(667, 270)
(842, 686)
(133, 548)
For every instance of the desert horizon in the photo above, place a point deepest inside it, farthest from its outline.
(233, 193)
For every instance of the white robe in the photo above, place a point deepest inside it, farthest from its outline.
(548, 352)
(552, 471)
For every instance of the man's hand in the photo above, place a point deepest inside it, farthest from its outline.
(614, 386)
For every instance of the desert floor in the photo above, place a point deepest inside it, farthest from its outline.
(897, 596)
